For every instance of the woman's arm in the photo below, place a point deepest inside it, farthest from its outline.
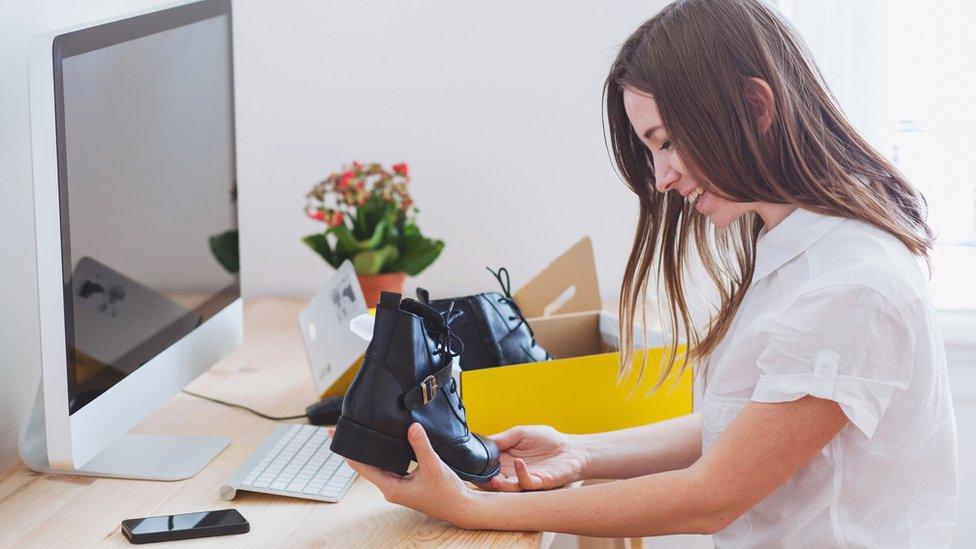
(538, 457)
(655, 448)
(765, 445)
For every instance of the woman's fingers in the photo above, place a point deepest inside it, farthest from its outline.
(526, 480)
(522, 480)
(373, 474)
(505, 484)
(507, 439)
(390, 484)
(426, 456)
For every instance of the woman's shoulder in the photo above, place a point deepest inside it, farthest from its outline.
(858, 254)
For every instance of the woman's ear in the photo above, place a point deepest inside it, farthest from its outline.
(761, 102)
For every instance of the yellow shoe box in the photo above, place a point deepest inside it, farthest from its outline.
(579, 391)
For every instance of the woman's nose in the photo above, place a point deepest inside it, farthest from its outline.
(667, 179)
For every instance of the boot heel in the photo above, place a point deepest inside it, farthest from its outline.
(360, 443)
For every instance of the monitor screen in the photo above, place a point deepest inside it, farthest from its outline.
(146, 160)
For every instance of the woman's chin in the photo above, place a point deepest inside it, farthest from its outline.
(718, 220)
(720, 213)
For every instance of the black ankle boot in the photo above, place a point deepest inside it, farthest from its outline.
(491, 326)
(406, 377)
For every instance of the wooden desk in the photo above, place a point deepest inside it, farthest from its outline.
(270, 373)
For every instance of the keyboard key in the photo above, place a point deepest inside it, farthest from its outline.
(299, 464)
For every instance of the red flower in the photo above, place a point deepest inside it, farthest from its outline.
(401, 169)
(336, 219)
(344, 181)
(317, 215)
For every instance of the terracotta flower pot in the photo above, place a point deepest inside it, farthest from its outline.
(372, 285)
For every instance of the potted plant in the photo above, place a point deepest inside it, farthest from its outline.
(370, 219)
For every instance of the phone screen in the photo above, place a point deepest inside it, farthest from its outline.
(167, 527)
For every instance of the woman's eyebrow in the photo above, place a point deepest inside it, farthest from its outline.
(650, 131)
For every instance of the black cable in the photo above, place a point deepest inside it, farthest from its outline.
(232, 405)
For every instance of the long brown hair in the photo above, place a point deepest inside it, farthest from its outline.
(697, 58)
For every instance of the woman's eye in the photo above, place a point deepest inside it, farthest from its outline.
(666, 145)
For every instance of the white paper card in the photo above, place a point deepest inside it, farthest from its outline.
(331, 346)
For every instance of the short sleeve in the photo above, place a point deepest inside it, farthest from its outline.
(845, 343)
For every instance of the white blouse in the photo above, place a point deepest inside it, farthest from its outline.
(840, 310)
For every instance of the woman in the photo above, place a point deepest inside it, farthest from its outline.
(824, 410)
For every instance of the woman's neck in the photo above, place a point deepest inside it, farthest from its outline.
(772, 214)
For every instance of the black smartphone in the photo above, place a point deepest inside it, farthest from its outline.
(185, 526)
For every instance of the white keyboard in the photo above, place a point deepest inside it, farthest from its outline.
(294, 460)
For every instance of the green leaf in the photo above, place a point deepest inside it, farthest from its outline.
(226, 250)
(375, 261)
(416, 251)
(320, 244)
(348, 242)
(369, 215)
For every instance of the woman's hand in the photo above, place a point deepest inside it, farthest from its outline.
(432, 487)
(536, 458)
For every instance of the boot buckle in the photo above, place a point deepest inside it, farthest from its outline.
(428, 389)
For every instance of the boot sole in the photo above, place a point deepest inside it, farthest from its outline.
(360, 443)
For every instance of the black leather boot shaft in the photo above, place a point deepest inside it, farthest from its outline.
(406, 377)
(493, 329)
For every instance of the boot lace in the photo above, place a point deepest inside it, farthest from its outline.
(444, 338)
(443, 344)
(501, 275)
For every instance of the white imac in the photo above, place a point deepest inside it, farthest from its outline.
(134, 168)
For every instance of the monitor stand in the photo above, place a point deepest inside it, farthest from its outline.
(135, 456)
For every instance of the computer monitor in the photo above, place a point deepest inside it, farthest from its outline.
(132, 135)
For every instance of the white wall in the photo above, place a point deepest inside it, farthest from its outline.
(844, 38)
(496, 107)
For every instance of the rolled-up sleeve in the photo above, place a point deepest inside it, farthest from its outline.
(844, 343)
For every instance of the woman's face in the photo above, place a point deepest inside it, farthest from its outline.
(669, 170)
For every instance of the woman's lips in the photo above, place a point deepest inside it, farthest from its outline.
(701, 199)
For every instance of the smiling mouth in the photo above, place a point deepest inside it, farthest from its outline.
(693, 195)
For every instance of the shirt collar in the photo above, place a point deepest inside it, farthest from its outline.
(789, 238)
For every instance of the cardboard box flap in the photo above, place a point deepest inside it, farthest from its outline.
(574, 274)
(587, 333)
(568, 335)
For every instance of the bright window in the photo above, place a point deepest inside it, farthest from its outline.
(904, 72)
(929, 112)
